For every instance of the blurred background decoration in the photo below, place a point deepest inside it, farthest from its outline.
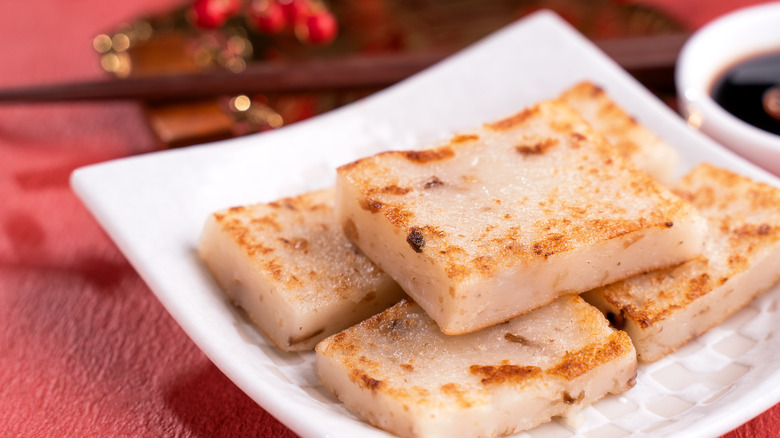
(203, 35)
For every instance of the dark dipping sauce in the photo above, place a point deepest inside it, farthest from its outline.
(744, 91)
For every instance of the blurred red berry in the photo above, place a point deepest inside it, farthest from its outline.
(295, 10)
(232, 7)
(266, 16)
(211, 14)
(319, 28)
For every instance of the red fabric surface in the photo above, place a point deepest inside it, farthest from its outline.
(85, 347)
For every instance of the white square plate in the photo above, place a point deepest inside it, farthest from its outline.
(155, 205)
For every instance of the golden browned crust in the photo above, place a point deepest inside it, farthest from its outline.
(744, 219)
(273, 234)
(504, 373)
(565, 224)
(365, 352)
(429, 155)
(535, 147)
(462, 138)
(577, 363)
(513, 121)
(615, 123)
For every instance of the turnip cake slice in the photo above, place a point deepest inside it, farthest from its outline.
(510, 217)
(398, 371)
(633, 141)
(663, 310)
(288, 264)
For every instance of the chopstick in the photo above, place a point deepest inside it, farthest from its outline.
(650, 59)
(347, 73)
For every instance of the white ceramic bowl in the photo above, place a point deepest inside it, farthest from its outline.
(708, 53)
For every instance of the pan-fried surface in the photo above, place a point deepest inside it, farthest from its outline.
(633, 141)
(288, 264)
(402, 374)
(665, 309)
(507, 218)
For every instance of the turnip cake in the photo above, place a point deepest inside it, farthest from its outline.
(663, 310)
(398, 371)
(633, 141)
(288, 264)
(508, 218)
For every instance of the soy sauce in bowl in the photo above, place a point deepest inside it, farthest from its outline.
(750, 90)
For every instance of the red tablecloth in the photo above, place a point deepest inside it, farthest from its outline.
(85, 347)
